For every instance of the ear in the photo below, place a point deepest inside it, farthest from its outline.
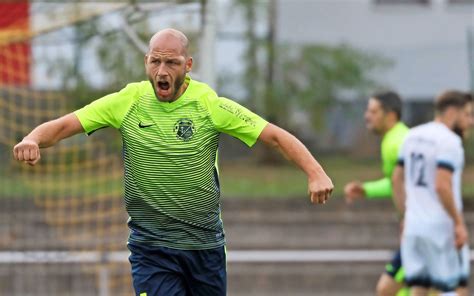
(391, 115)
(145, 59)
(189, 64)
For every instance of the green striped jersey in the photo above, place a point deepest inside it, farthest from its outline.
(172, 190)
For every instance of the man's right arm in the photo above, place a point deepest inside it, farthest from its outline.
(398, 185)
(444, 189)
(109, 110)
(46, 135)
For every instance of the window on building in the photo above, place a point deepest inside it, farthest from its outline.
(422, 2)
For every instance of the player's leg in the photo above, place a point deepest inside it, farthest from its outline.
(463, 291)
(391, 281)
(205, 272)
(465, 271)
(445, 265)
(415, 263)
(387, 286)
(418, 291)
(155, 272)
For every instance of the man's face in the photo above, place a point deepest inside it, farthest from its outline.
(464, 120)
(375, 116)
(166, 67)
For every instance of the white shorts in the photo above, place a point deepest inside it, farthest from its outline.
(431, 264)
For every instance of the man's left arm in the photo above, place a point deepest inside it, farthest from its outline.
(378, 189)
(320, 185)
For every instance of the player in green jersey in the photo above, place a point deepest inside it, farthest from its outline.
(170, 128)
(383, 117)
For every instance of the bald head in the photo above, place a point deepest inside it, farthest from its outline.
(167, 63)
(170, 36)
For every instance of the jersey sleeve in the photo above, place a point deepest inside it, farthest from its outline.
(448, 155)
(109, 110)
(231, 118)
(378, 189)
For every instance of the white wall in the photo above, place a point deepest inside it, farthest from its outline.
(428, 43)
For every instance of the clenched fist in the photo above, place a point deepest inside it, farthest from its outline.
(27, 151)
(320, 189)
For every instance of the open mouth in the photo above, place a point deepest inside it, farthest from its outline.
(164, 85)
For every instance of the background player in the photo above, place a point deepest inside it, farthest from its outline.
(383, 117)
(434, 244)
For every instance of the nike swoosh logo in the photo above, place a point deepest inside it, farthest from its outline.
(141, 125)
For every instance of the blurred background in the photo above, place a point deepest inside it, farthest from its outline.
(306, 65)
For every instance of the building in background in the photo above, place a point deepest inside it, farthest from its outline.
(429, 42)
(426, 39)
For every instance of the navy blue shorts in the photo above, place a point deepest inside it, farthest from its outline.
(159, 271)
(395, 268)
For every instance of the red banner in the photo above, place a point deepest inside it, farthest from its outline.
(15, 48)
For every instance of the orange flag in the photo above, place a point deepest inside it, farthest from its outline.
(15, 48)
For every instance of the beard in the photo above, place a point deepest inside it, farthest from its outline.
(178, 83)
(459, 131)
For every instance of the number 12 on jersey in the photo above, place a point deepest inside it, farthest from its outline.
(417, 169)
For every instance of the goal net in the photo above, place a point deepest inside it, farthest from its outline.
(62, 222)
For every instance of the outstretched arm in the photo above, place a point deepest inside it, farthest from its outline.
(46, 135)
(319, 184)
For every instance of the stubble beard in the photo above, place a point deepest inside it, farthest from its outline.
(459, 131)
(177, 86)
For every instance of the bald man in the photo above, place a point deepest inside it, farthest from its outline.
(170, 128)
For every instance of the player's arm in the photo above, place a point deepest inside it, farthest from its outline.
(398, 186)
(444, 188)
(376, 189)
(46, 135)
(320, 185)
(382, 188)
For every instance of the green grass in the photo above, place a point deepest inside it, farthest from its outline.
(238, 180)
(30, 185)
(247, 180)
(13, 187)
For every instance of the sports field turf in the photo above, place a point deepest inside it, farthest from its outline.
(238, 180)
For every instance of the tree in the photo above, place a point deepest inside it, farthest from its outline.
(282, 77)
(313, 77)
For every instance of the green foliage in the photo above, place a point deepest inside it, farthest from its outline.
(118, 59)
(253, 11)
(314, 76)
(469, 147)
(309, 77)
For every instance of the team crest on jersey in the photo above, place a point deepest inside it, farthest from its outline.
(184, 129)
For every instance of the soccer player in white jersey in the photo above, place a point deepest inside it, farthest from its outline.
(427, 180)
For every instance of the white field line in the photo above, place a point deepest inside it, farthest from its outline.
(248, 256)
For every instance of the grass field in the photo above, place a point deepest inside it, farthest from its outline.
(238, 180)
(246, 180)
